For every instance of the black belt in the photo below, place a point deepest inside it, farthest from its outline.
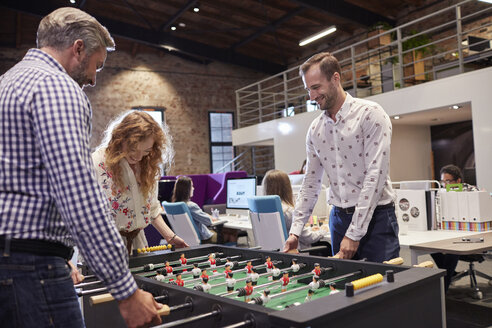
(351, 210)
(37, 247)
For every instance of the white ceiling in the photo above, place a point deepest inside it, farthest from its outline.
(436, 116)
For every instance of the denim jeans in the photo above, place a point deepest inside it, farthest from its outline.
(381, 240)
(37, 291)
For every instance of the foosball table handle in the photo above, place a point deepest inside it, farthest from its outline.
(395, 261)
(103, 298)
(426, 264)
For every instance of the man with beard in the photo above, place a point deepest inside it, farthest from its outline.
(49, 196)
(350, 141)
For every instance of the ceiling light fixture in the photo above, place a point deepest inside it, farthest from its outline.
(196, 9)
(173, 28)
(455, 107)
(396, 117)
(317, 36)
(72, 1)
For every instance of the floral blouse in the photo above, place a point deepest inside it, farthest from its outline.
(129, 209)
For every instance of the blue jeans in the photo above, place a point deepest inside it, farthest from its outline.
(37, 291)
(381, 240)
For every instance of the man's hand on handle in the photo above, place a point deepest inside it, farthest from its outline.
(348, 248)
(76, 276)
(291, 243)
(140, 309)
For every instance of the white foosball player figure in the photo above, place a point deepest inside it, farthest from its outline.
(295, 267)
(309, 296)
(276, 273)
(196, 271)
(254, 277)
(230, 283)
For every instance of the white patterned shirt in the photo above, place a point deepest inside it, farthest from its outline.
(354, 152)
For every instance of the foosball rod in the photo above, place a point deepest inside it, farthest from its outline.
(217, 276)
(206, 263)
(85, 284)
(216, 311)
(145, 268)
(293, 278)
(242, 279)
(326, 282)
(242, 324)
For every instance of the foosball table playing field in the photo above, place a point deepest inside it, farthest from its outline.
(215, 286)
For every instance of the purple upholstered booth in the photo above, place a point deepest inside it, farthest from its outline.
(209, 189)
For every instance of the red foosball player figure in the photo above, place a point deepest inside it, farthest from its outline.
(204, 274)
(196, 271)
(249, 290)
(230, 282)
(317, 269)
(249, 268)
(227, 270)
(179, 280)
(211, 260)
(285, 281)
(183, 260)
(169, 269)
(269, 264)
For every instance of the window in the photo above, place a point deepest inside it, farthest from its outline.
(221, 149)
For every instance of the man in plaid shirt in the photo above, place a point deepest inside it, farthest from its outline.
(49, 196)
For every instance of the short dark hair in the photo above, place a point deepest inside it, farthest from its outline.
(328, 64)
(452, 170)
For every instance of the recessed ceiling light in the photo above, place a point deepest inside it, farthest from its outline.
(396, 117)
(72, 1)
(173, 28)
(455, 107)
(182, 24)
(196, 9)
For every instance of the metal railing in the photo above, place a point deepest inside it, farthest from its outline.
(454, 40)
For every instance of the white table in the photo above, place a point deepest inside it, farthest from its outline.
(412, 239)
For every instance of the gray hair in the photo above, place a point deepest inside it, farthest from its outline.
(61, 28)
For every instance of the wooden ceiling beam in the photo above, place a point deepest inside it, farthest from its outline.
(346, 10)
(270, 27)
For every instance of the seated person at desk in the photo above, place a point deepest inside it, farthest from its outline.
(302, 170)
(277, 182)
(450, 174)
(183, 191)
(127, 168)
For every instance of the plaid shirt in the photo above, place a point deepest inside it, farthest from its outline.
(48, 187)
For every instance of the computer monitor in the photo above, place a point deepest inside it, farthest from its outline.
(238, 190)
(165, 191)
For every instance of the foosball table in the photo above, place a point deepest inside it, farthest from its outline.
(272, 289)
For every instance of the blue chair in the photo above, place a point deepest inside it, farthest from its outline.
(179, 217)
(267, 220)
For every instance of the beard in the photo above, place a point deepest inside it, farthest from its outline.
(330, 98)
(79, 73)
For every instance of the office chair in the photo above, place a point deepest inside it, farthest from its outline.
(179, 217)
(472, 273)
(267, 220)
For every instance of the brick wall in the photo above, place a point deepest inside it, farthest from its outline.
(141, 76)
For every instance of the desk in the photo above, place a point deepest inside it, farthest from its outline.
(426, 242)
(239, 222)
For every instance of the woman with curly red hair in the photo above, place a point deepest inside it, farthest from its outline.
(128, 169)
